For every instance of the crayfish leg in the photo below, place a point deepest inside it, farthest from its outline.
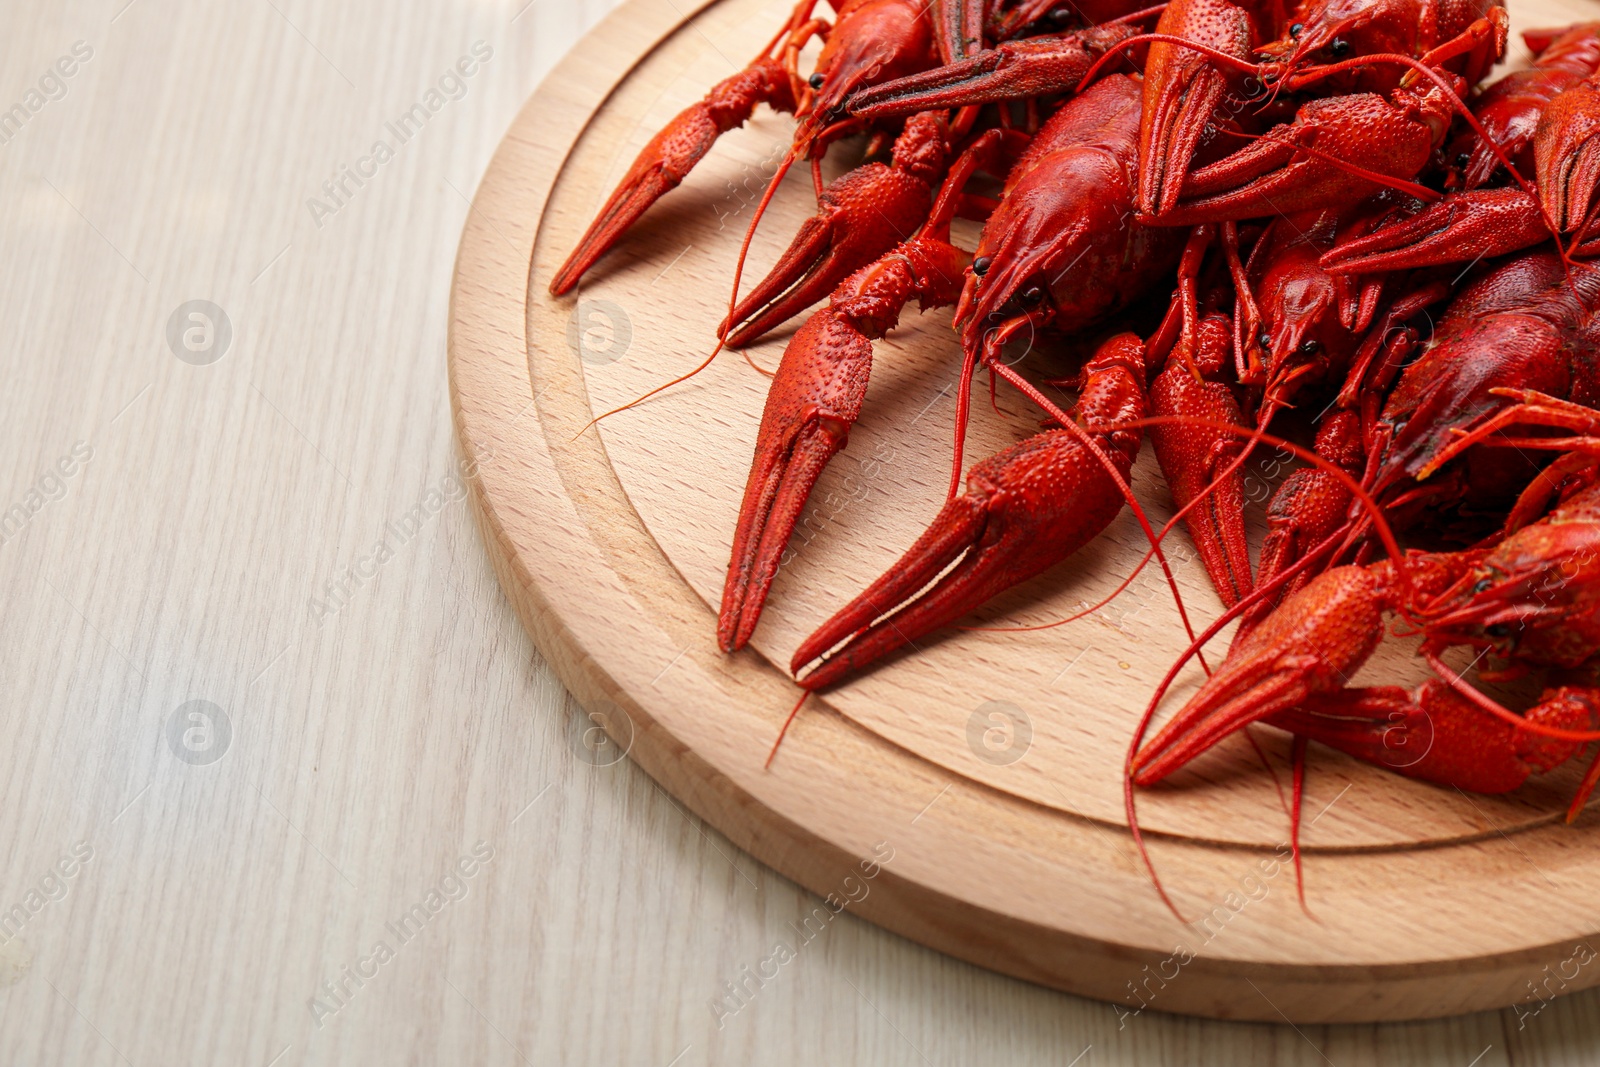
(813, 401)
(1306, 510)
(1436, 735)
(1182, 89)
(1199, 461)
(860, 217)
(662, 164)
(1463, 227)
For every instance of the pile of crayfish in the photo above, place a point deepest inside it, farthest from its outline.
(1308, 227)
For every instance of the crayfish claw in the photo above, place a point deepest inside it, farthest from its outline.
(814, 400)
(1026, 508)
(1015, 70)
(860, 216)
(1436, 735)
(1201, 461)
(1464, 226)
(671, 154)
(1310, 645)
(1567, 155)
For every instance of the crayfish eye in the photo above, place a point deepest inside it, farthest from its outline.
(817, 81)
(1309, 348)
(1463, 158)
(1060, 15)
(1296, 30)
(1265, 341)
(980, 266)
(1031, 296)
(1338, 48)
(1483, 586)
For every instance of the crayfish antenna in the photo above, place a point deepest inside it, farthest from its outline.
(1028, 389)
(1266, 765)
(1234, 62)
(783, 731)
(1299, 750)
(1499, 711)
(1585, 788)
(1136, 16)
(663, 387)
(1138, 843)
(1137, 741)
(782, 172)
(1258, 594)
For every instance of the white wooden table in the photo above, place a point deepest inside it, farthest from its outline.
(281, 780)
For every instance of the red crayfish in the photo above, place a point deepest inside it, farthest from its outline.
(1301, 226)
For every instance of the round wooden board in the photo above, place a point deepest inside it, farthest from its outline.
(968, 796)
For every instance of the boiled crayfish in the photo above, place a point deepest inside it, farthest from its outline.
(1255, 212)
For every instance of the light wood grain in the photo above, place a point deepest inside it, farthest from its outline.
(419, 719)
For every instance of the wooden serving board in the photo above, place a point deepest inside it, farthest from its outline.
(988, 765)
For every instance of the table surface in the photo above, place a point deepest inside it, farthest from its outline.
(283, 781)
